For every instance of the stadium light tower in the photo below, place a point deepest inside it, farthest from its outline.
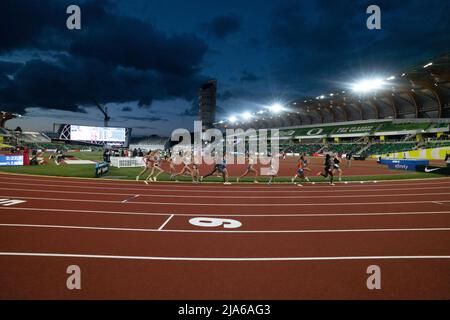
(368, 85)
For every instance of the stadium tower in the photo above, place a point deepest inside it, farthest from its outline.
(207, 103)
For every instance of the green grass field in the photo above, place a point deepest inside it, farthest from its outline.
(88, 171)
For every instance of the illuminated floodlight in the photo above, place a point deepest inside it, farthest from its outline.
(232, 119)
(260, 112)
(322, 97)
(428, 65)
(391, 78)
(247, 116)
(276, 108)
(221, 121)
(368, 85)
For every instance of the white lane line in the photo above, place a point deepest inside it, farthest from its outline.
(297, 196)
(50, 226)
(291, 189)
(229, 204)
(124, 201)
(165, 222)
(281, 215)
(122, 184)
(237, 259)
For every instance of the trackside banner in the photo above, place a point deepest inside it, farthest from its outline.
(434, 169)
(101, 169)
(403, 164)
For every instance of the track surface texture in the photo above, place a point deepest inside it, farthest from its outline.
(133, 241)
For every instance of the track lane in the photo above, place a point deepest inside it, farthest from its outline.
(255, 223)
(176, 244)
(123, 279)
(322, 208)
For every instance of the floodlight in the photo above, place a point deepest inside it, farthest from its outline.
(276, 108)
(232, 119)
(247, 116)
(368, 85)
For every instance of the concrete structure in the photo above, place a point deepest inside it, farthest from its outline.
(207, 103)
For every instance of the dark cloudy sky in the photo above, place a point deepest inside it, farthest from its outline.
(145, 59)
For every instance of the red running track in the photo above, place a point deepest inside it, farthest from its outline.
(133, 241)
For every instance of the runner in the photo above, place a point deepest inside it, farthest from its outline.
(147, 163)
(156, 167)
(187, 171)
(272, 171)
(328, 169)
(305, 166)
(195, 173)
(337, 165)
(172, 168)
(220, 168)
(250, 169)
(300, 171)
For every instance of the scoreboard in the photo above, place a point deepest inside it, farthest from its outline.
(102, 134)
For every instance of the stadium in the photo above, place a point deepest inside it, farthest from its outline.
(350, 184)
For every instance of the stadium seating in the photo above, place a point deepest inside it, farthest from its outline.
(383, 148)
(344, 147)
(306, 148)
(437, 144)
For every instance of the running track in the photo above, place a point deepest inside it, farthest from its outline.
(135, 241)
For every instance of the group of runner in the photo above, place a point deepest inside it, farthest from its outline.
(153, 159)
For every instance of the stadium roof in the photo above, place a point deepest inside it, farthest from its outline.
(420, 92)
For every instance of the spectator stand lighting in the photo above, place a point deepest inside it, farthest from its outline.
(368, 85)
(246, 116)
(232, 119)
(276, 108)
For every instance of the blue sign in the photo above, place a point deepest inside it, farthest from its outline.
(101, 169)
(11, 160)
(404, 164)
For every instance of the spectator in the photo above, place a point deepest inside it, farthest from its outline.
(59, 156)
(107, 155)
(26, 156)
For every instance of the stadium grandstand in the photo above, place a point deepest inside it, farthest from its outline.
(420, 92)
(403, 112)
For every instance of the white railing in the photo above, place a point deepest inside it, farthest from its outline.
(125, 162)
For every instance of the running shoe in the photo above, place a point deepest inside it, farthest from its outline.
(299, 185)
(137, 178)
(227, 183)
(146, 182)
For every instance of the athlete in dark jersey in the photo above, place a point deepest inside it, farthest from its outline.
(328, 169)
(220, 168)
